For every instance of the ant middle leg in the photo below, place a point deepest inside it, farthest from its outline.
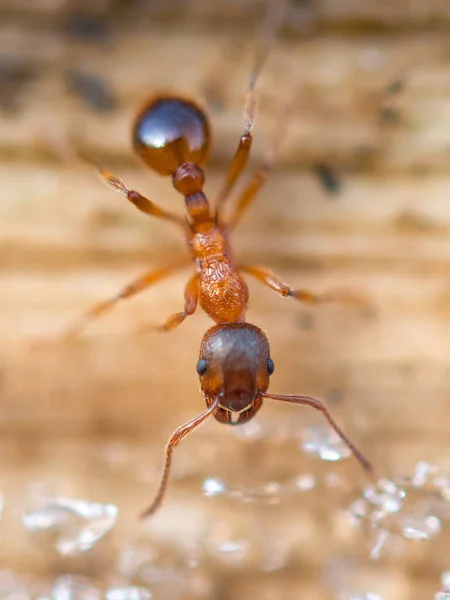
(268, 278)
(100, 309)
(191, 298)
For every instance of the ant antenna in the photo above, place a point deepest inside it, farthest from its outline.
(177, 436)
(320, 406)
(269, 29)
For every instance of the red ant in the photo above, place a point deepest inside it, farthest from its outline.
(172, 136)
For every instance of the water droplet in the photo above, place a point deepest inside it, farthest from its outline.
(229, 550)
(421, 472)
(357, 511)
(385, 495)
(10, 588)
(233, 551)
(132, 557)
(79, 524)
(420, 528)
(71, 587)
(324, 442)
(251, 430)
(358, 596)
(213, 487)
(445, 580)
(128, 593)
(381, 538)
(305, 482)
(442, 596)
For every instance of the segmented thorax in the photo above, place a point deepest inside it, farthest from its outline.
(224, 294)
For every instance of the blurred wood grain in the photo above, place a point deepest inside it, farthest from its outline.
(67, 241)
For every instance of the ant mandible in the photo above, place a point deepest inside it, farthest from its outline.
(172, 137)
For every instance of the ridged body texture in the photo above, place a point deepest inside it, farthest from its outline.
(224, 294)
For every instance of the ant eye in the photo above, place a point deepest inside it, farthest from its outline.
(202, 366)
(270, 366)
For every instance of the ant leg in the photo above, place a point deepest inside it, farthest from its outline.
(191, 296)
(320, 406)
(140, 202)
(269, 278)
(241, 156)
(250, 192)
(260, 177)
(274, 15)
(103, 307)
(177, 436)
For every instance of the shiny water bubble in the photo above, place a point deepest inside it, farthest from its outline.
(305, 482)
(445, 580)
(385, 495)
(74, 587)
(128, 593)
(77, 524)
(420, 527)
(358, 596)
(11, 588)
(213, 487)
(422, 472)
(325, 443)
(381, 539)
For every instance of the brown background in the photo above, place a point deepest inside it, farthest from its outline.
(67, 241)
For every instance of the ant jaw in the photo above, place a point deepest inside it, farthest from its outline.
(228, 416)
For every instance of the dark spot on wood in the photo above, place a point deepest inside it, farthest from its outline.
(329, 178)
(85, 27)
(334, 396)
(15, 74)
(306, 321)
(389, 115)
(395, 87)
(92, 89)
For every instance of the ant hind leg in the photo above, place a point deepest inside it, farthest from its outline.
(269, 29)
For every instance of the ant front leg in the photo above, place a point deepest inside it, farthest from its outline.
(142, 203)
(269, 279)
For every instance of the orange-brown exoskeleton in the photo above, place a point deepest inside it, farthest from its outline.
(172, 136)
(234, 368)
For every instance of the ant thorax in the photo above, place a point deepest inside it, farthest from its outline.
(210, 241)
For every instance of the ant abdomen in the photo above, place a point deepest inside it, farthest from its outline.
(170, 131)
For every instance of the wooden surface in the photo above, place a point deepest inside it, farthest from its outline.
(67, 241)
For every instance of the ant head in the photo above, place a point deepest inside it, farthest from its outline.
(170, 131)
(235, 365)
